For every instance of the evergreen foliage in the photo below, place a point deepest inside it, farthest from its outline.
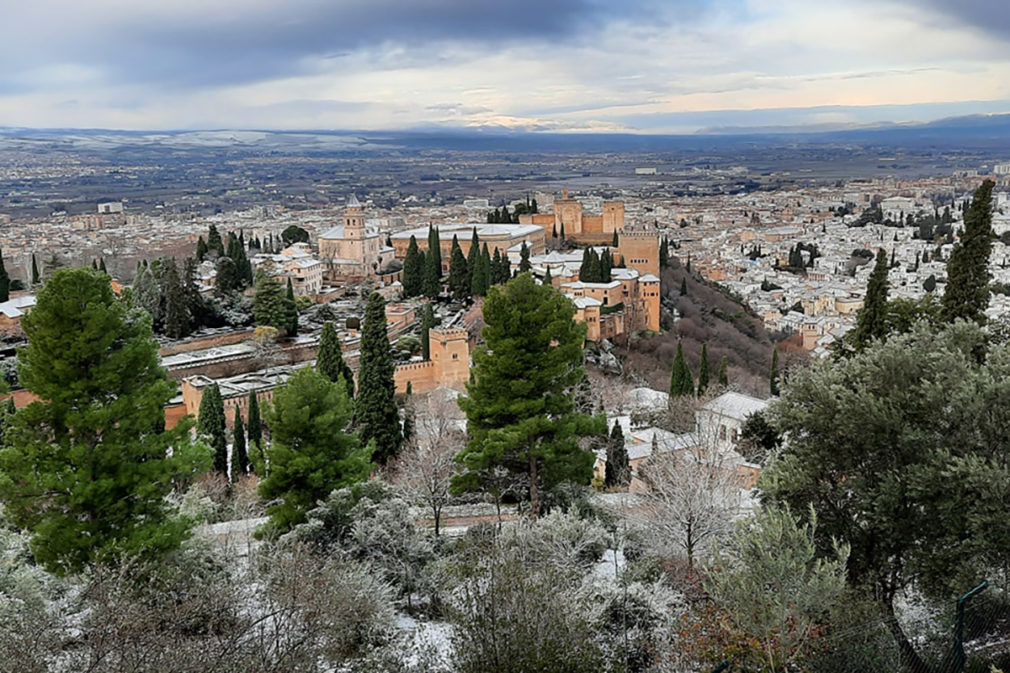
(871, 320)
(239, 455)
(524, 259)
(214, 242)
(210, 426)
(681, 378)
(201, 248)
(773, 376)
(5, 280)
(618, 469)
(290, 311)
(311, 453)
(459, 272)
(967, 293)
(472, 262)
(254, 431)
(724, 372)
(330, 359)
(703, 370)
(520, 409)
(431, 284)
(427, 322)
(435, 250)
(178, 321)
(269, 301)
(480, 276)
(294, 234)
(94, 449)
(413, 270)
(376, 415)
(35, 270)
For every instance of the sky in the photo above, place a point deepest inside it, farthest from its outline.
(638, 66)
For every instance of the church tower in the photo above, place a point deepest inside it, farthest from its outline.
(354, 220)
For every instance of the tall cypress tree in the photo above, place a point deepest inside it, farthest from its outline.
(435, 250)
(618, 468)
(290, 311)
(871, 320)
(773, 377)
(239, 455)
(178, 322)
(524, 259)
(459, 272)
(472, 261)
(255, 434)
(427, 322)
(681, 378)
(214, 241)
(330, 359)
(724, 372)
(431, 284)
(210, 426)
(201, 248)
(268, 300)
(967, 293)
(5, 281)
(376, 414)
(413, 270)
(703, 370)
(35, 270)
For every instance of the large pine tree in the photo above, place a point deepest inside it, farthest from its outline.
(967, 293)
(520, 409)
(376, 415)
(93, 450)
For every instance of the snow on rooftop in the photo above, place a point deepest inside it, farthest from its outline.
(736, 405)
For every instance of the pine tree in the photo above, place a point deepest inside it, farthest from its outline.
(413, 270)
(210, 426)
(773, 378)
(92, 449)
(35, 270)
(239, 456)
(681, 378)
(723, 372)
(5, 281)
(703, 370)
(427, 322)
(967, 293)
(255, 434)
(520, 409)
(618, 469)
(524, 259)
(376, 414)
(871, 320)
(459, 272)
(330, 359)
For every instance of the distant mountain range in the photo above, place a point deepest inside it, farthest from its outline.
(969, 132)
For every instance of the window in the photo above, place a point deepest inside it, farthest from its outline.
(455, 356)
(722, 432)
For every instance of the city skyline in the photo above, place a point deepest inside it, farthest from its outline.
(574, 66)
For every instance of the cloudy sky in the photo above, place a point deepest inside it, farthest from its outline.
(657, 66)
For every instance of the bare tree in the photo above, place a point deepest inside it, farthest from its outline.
(694, 495)
(428, 463)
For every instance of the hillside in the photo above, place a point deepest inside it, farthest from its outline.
(708, 315)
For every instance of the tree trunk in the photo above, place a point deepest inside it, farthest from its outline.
(534, 491)
(911, 662)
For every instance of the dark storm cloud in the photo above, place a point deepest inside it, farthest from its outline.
(223, 42)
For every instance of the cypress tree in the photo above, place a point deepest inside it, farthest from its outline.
(773, 378)
(496, 269)
(681, 379)
(548, 279)
(427, 322)
(330, 359)
(683, 286)
(723, 372)
(616, 243)
(524, 259)
(435, 250)
(35, 270)
(255, 434)
(606, 264)
(94, 263)
(214, 241)
(239, 455)
(485, 268)
(178, 322)
(201, 248)
(703, 370)
(5, 280)
(290, 311)
(871, 321)
(459, 272)
(268, 301)
(967, 293)
(413, 270)
(664, 255)
(562, 232)
(472, 261)
(554, 231)
(479, 275)
(101, 265)
(210, 426)
(618, 468)
(431, 284)
(375, 413)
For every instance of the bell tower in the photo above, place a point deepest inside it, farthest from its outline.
(354, 219)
